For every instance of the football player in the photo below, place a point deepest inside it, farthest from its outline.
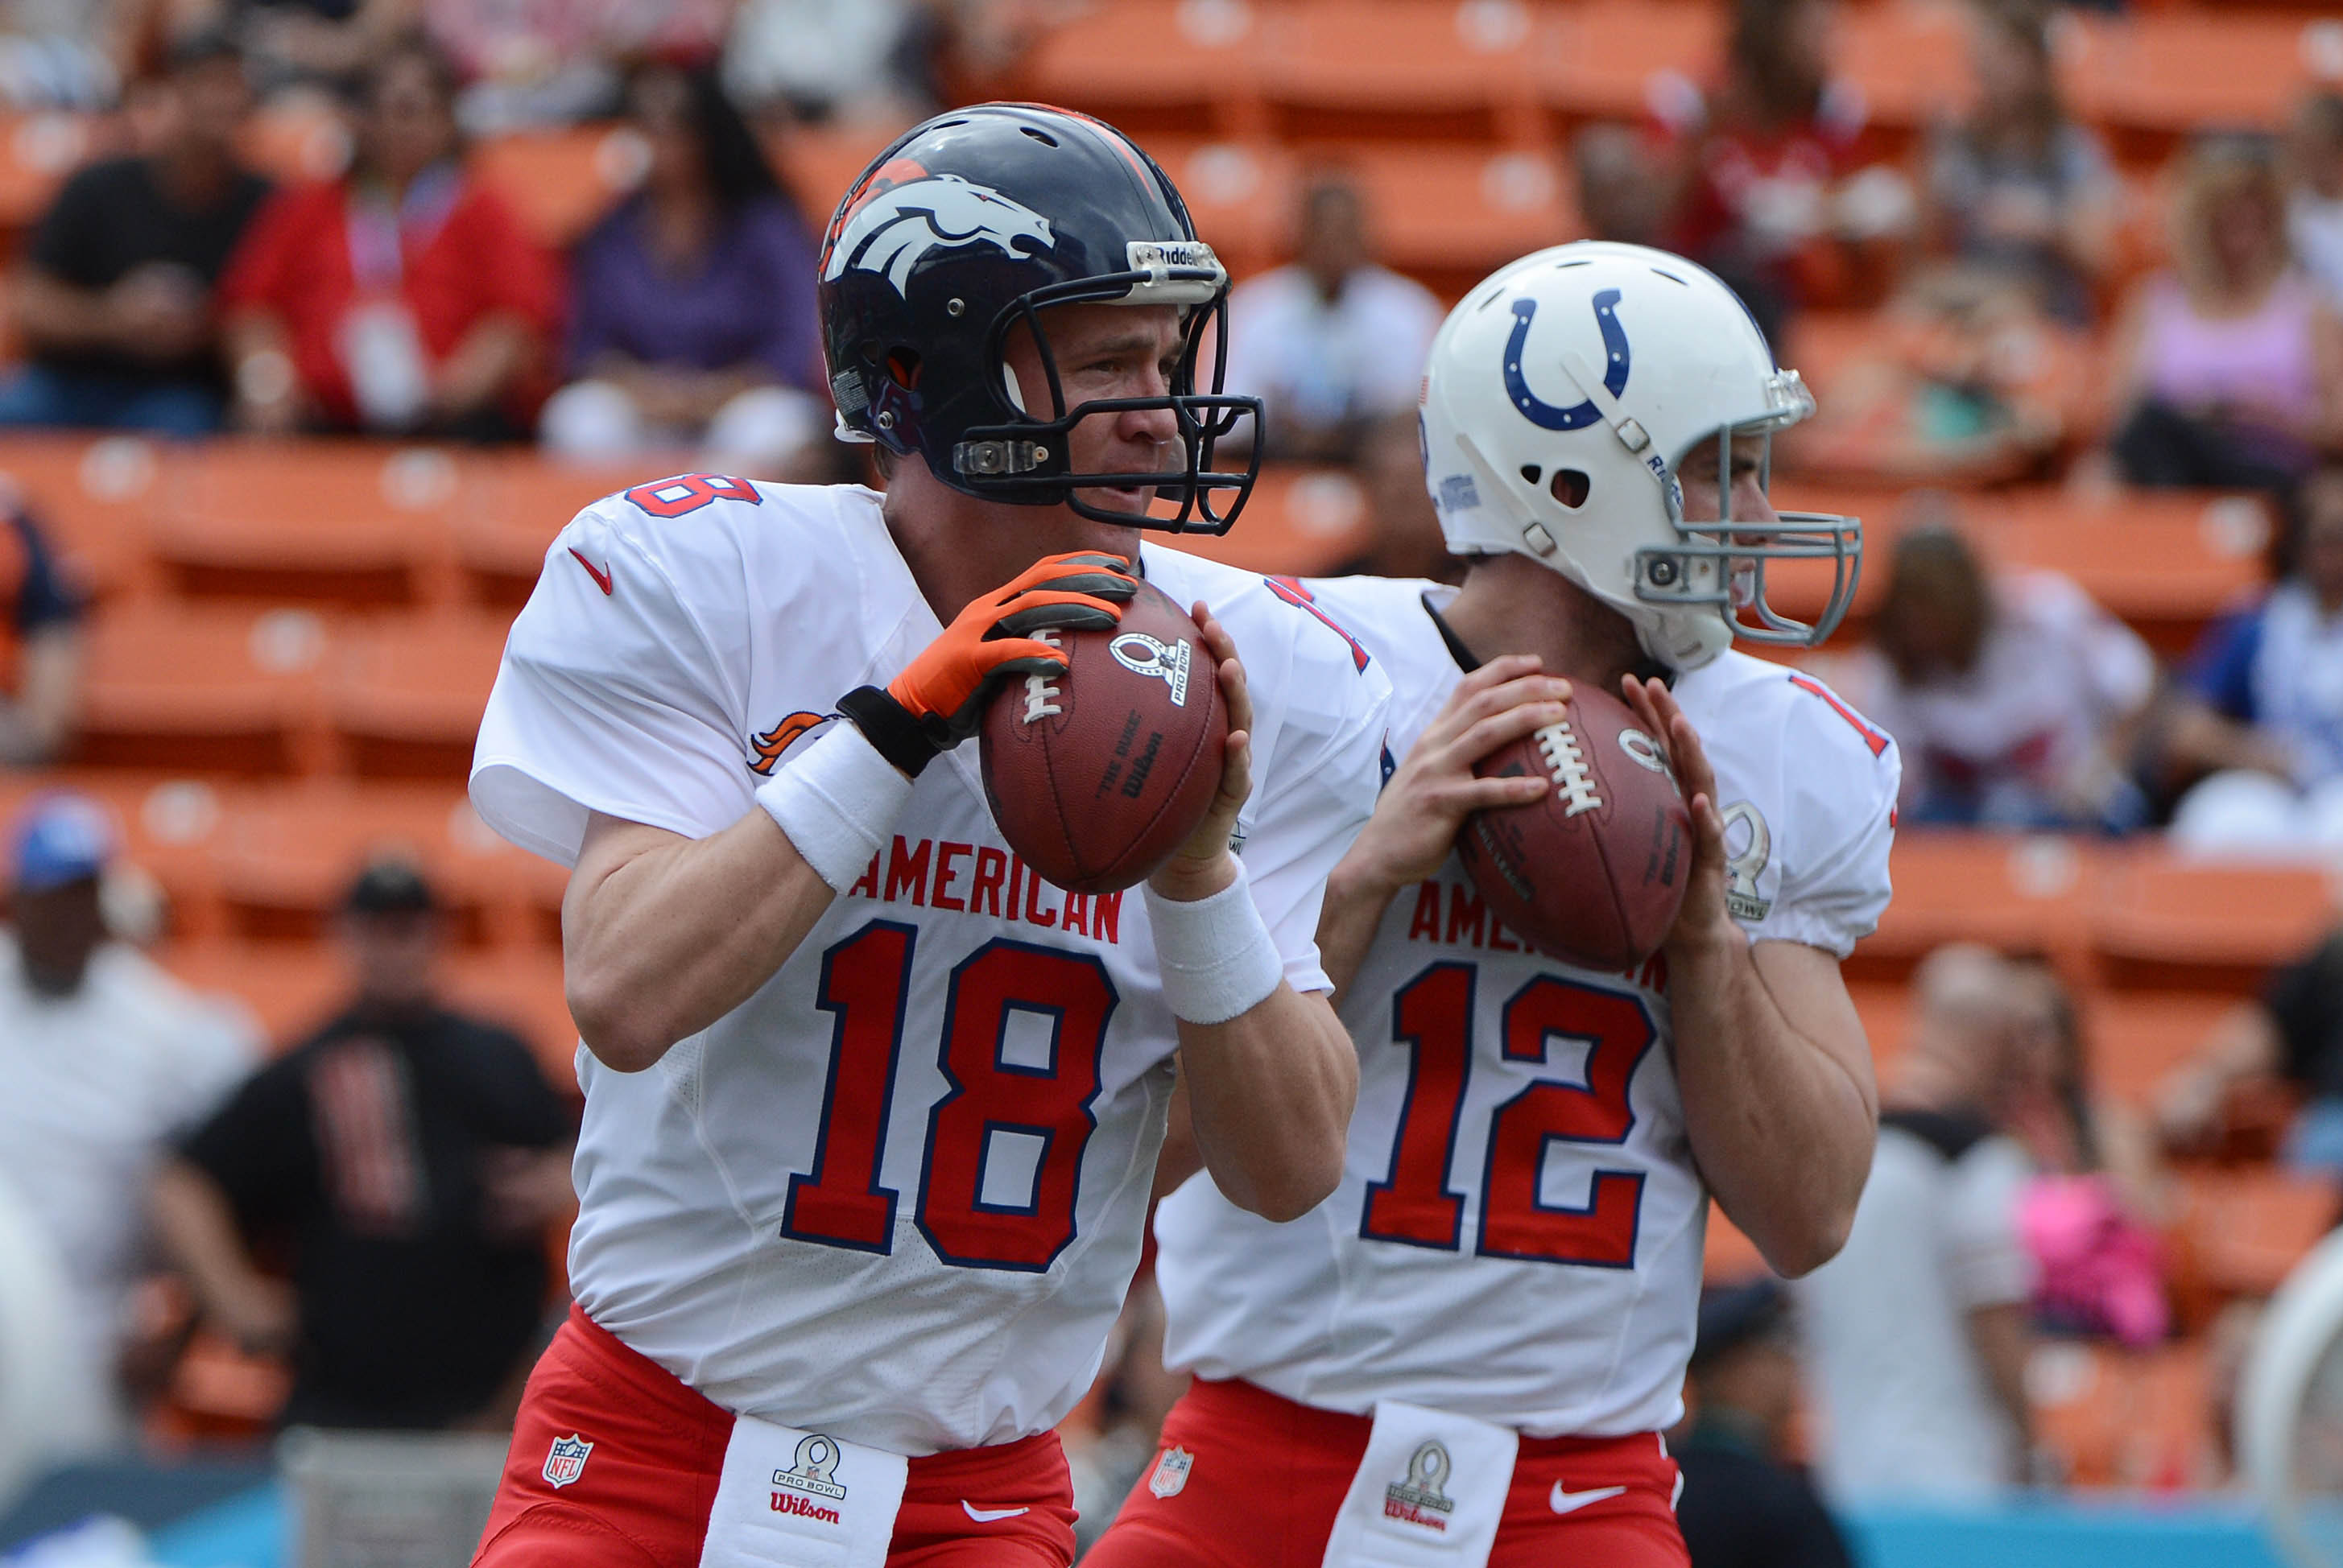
(871, 1110)
(1467, 1353)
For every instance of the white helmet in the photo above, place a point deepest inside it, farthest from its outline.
(1642, 354)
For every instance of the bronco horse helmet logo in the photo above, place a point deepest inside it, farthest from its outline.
(894, 229)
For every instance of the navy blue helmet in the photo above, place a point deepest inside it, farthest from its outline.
(972, 225)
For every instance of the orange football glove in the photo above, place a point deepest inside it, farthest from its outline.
(939, 699)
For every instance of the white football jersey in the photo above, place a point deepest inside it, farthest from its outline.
(896, 1195)
(1518, 1232)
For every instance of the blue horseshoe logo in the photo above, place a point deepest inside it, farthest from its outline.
(1546, 416)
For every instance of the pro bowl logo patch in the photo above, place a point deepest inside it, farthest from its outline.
(1170, 1476)
(812, 1468)
(565, 1461)
(1167, 662)
(894, 229)
(1421, 1498)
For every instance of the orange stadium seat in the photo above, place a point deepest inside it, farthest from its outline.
(1885, 1009)
(511, 508)
(407, 694)
(2163, 562)
(334, 523)
(2082, 1397)
(38, 151)
(1449, 216)
(209, 691)
(1147, 66)
(90, 497)
(2135, 1040)
(1239, 193)
(818, 163)
(1729, 1257)
(2246, 1230)
(297, 136)
(2160, 922)
(1298, 522)
(1606, 51)
(1911, 61)
(2019, 894)
(560, 182)
(1401, 68)
(287, 855)
(2172, 72)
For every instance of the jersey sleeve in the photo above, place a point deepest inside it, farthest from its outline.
(618, 693)
(1316, 787)
(1840, 802)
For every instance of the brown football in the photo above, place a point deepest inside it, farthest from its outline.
(1095, 776)
(1592, 872)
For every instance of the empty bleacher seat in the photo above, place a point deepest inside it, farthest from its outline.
(90, 497)
(2245, 1229)
(208, 690)
(510, 510)
(1448, 215)
(2018, 893)
(1607, 51)
(2164, 921)
(1148, 65)
(559, 181)
(406, 693)
(289, 989)
(1400, 69)
(339, 523)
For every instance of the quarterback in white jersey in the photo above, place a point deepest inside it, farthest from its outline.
(871, 1110)
(1466, 1353)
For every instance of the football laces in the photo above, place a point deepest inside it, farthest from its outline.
(1566, 764)
(1042, 692)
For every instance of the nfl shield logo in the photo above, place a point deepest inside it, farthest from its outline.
(566, 1461)
(1170, 1473)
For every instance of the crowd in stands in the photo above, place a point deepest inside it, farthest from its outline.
(404, 1159)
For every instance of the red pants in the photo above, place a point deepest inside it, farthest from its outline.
(640, 1498)
(1266, 1477)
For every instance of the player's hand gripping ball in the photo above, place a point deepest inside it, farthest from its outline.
(1097, 774)
(1593, 871)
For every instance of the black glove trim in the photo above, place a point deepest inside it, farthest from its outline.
(889, 728)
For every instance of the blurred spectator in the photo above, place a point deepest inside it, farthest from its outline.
(403, 297)
(2260, 706)
(413, 1157)
(1332, 343)
(2293, 1032)
(2019, 190)
(872, 63)
(69, 54)
(2314, 203)
(104, 1061)
(1404, 536)
(533, 63)
(1962, 380)
(1622, 190)
(1771, 195)
(317, 41)
(1743, 1504)
(115, 298)
(2228, 368)
(40, 641)
(2090, 1213)
(692, 317)
(2016, 699)
(1915, 1333)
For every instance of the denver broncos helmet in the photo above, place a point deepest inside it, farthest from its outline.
(973, 223)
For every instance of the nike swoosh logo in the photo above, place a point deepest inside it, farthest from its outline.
(600, 576)
(987, 1515)
(1571, 1502)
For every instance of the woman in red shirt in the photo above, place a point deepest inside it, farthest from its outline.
(403, 297)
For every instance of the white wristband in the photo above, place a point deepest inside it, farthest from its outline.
(1215, 953)
(837, 801)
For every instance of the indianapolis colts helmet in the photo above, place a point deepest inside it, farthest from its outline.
(1560, 398)
(972, 225)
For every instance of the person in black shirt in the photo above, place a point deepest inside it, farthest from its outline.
(411, 1158)
(115, 296)
(1742, 1506)
(2294, 1032)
